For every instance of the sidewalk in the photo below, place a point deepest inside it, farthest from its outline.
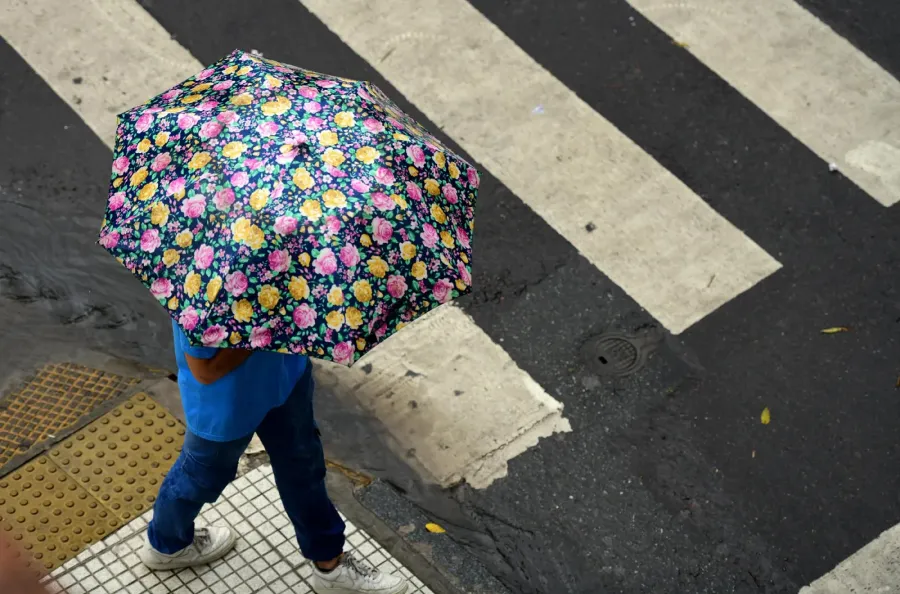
(85, 442)
(265, 561)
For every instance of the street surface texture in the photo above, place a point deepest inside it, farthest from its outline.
(715, 181)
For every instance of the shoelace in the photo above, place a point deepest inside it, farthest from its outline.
(358, 567)
(202, 539)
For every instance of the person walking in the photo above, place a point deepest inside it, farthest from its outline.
(271, 210)
(228, 395)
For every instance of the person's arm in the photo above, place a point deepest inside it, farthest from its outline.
(208, 371)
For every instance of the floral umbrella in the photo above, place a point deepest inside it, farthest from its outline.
(274, 208)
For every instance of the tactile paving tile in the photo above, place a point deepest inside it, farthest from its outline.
(87, 486)
(122, 457)
(49, 515)
(57, 396)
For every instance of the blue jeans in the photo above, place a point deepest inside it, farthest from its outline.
(205, 468)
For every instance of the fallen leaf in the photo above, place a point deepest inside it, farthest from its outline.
(434, 528)
(766, 417)
(836, 330)
(681, 44)
(753, 455)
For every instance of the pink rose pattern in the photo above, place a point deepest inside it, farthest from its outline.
(279, 261)
(240, 165)
(236, 283)
(285, 225)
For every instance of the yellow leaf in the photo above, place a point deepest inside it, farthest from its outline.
(434, 528)
(766, 417)
(681, 44)
(836, 330)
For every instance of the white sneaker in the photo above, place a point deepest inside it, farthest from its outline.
(353, 577)
(209, 544)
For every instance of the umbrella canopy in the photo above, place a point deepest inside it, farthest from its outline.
(274, 208)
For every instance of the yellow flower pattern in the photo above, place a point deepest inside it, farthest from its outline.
(184, 239)
(336, 296)
(171, 257)
(242, 310)
(276, 107)
(212, 288)
(333, 157)
(312, 210)
(268, 297)
(138, 177)
(192, 284)
(367, 154)
(199, 161)
(147, 192)
(259, 198)
(378, 267)
(303, 179)
(335, 320)
(334, 199)
(344, 119)
(159, 214)
(327, 138)
(408, 250)
(233, 150)
(362, 291)
(298, 288)
(432, 187)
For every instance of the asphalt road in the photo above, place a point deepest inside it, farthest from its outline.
(668, 481)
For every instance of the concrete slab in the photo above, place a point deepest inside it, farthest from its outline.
(873, 569)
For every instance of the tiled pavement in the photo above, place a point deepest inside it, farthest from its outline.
(265, 561)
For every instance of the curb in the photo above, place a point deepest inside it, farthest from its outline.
(447, 562)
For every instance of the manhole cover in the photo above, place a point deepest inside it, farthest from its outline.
(613, 354)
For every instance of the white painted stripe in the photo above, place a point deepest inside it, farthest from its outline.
(806, 77)
(124, 57)
(456, 398)
(653, 236)
(874, 569)
(102, 58)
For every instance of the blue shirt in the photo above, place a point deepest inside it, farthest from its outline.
(235, 405)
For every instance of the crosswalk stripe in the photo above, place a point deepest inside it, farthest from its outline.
(458, 434)
(111, 57)
(628, 215)
(806, 77)
(120, 57)
(875, 568)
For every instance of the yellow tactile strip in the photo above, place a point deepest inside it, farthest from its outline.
(57, 396)
(50, 515)
(87, 486)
